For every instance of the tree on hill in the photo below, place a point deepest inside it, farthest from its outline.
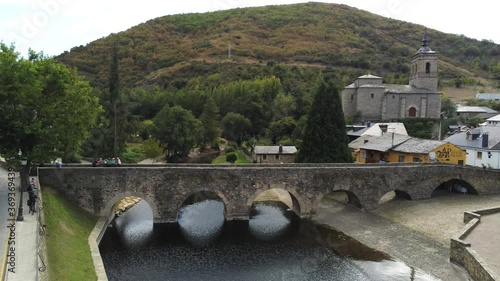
(47, 110)
(210, 120)
(325, 138)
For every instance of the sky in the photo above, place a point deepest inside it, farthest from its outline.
(55, 26)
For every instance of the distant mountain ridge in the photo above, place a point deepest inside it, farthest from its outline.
(238, 44)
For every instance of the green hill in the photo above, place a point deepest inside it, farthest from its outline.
(192, 50)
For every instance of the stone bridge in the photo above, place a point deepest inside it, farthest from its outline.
(165, 188)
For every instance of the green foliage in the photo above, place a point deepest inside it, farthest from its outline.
(229, 150)
(241, 159)
(67, 245)
(474, 121)
(234, 125)
(300, 35)
(419, 127)
(231, 157)
(178, 130)
(210, 120)
(152, 149)
(325, 138)
(47, 110)
(447, 106)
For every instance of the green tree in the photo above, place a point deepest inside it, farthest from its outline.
(47, 110)
(325, 138)
(152, 149)
(447, 106)
(178, 130)
(210, 120)
(234, 125)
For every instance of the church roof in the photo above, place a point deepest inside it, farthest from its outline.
(425, 44)
(405, 89)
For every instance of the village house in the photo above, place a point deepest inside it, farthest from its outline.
(274, 154)
(377, 129)
(375, 100)
(396, 148)
(482, 145)
(473, 111)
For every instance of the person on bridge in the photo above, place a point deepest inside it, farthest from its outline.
(32, 202)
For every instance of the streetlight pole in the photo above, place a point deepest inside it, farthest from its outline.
(24, 160)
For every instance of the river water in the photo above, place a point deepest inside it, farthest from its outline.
(273, 245)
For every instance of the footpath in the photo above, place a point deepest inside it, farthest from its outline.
(23, 266)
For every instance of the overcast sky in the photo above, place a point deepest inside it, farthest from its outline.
(54, 26)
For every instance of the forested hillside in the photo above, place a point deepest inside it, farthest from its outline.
(249, 75)
(172, 50)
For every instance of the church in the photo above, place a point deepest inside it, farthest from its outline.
(377, 101)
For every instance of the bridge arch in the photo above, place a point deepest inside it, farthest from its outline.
(455, 185)
(106, 212)
(199, 196)
(342, 196)
(295, 201)
(395, 194)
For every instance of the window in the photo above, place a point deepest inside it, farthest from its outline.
(428, 68)
(277, 156)
(264, 157)
(401, 158)
(352, 97)
(393, 96)
(416, 159)
(372, 95)
(479, 155)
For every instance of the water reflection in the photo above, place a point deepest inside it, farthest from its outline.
(236, 255)
(268, 222)
(135, 226)
(202, 222)
(393, 271)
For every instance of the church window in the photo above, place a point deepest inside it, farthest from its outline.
(372, 95)
(412, 112)
(428, 68)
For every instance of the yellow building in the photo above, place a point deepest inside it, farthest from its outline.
(394, 148)
(422, 150)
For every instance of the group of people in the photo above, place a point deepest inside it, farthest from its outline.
(32, 196)
(108, 162)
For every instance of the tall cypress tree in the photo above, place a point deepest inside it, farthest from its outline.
(210, 120)
(325, 139)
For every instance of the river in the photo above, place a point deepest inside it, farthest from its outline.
(273, 245)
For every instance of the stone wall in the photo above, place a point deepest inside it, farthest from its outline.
(165, 188)
(462, 254)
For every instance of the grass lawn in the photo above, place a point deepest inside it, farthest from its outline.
(242, 159)
(68, 228)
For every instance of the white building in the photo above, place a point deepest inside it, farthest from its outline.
(482, 145)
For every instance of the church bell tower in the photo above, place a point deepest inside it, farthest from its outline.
(424, 67)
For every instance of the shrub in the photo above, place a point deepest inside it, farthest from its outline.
(229, 150)
(231, 157)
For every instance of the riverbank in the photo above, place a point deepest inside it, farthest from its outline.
(67, 228)
(415, 232)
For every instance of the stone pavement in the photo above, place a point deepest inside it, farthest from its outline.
(485, 240)
(402, 243)
(25, 235)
